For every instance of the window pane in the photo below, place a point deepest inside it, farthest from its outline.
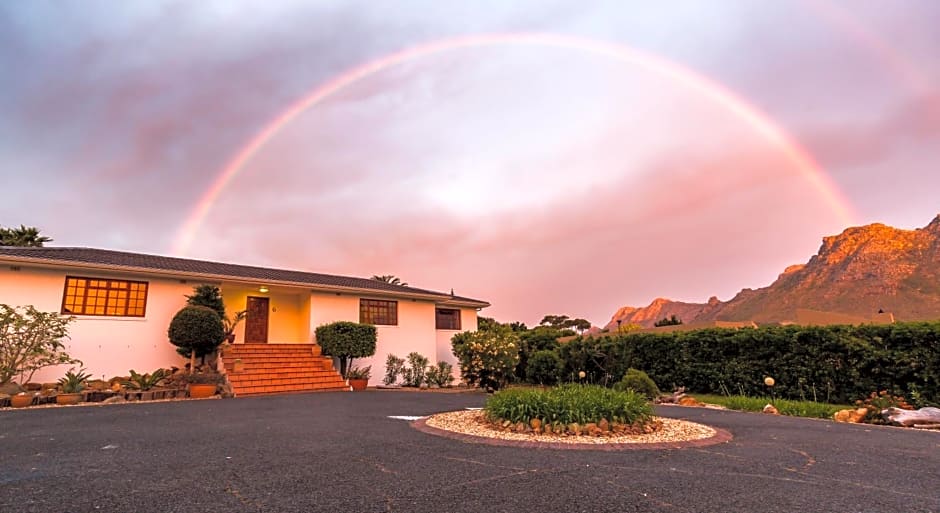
(104, 297)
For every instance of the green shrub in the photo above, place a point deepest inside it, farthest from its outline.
(568, 404)
(393, 368)
(347, 340)
(544, 368)
(145, 381)
(540, 338)
(441, 375)
(415, 372)
(196, 329)
(639, 382)
(487, 358)
(832, 364)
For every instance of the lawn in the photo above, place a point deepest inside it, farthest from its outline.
(784, 406)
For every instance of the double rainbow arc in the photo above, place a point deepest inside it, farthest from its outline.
(799, 158)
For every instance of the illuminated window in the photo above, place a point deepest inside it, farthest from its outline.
(447, 319)
(97, 296)
(374, 311)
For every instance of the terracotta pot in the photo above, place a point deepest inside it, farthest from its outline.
(358, 384)
(21, 401)
(201, 391)
(68, 398)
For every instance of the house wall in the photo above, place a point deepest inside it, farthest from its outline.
(107, 346)
(414, 332)
(288, 312)
(443, 349)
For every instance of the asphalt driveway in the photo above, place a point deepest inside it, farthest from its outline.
(340, 452)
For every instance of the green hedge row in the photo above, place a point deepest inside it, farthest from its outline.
(831, 363)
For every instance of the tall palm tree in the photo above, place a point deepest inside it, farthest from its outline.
(389, 278)
(22, 236)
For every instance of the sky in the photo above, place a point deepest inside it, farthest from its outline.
(550, 157)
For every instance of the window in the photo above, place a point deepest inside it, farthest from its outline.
(448, 319)
(374, 311)
(96, 296)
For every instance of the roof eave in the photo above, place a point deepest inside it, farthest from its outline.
(221, 277)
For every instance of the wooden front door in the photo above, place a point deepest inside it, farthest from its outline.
(256, 322)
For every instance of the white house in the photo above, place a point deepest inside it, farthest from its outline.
(123, 303)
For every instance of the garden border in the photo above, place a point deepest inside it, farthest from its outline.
(720, 436)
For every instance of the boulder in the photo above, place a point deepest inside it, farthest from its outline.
(604, 425)
(851, 416)
(771, 410)
(10, 389)
(690, 401)
(574, 428)
(535, 424)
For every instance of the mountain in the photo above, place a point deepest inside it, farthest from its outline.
(859, 272)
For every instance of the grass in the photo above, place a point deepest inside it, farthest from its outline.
(784, 406)
(566, 404)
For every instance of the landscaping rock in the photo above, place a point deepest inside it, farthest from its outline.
(690, 401)
(535, 423)
(770, 410)
(32, 387)
(574, 428)
(850, 416)
(521, 427)
(604, 425)
(10, 389)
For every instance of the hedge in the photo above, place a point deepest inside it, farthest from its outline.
(831, 363)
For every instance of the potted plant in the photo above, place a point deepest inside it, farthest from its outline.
(72, 385)
(229, 324)
(22, 399)
(143, 384)
(202, 386)
(359, 377)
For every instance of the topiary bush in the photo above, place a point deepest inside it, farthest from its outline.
(347, 340)
(544, 368)
(570, 407)
(196, 330)
(639, 382)
(487, 358)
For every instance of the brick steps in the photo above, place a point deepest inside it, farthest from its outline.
(280, 368)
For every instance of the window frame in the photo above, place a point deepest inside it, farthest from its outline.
(390, 304)
(143, 289)
(454, 314)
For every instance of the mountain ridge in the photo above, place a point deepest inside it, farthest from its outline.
(859, 272)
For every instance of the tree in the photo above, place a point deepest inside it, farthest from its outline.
(560, 322)
(27, 236)
(556, 321)
(672, 321)
(389, 278)
(196, 331)
(31, 340)
(209, 296)
(347, 340)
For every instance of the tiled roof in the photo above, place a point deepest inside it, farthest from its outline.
(137, 261)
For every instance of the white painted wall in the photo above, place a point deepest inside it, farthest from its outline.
(415, 330)
(288, 312)
(108, 346)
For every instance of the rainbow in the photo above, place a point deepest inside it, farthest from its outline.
(799, 158)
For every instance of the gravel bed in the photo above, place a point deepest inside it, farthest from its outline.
(473, 423)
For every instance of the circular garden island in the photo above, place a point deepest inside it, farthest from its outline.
(570, 417)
